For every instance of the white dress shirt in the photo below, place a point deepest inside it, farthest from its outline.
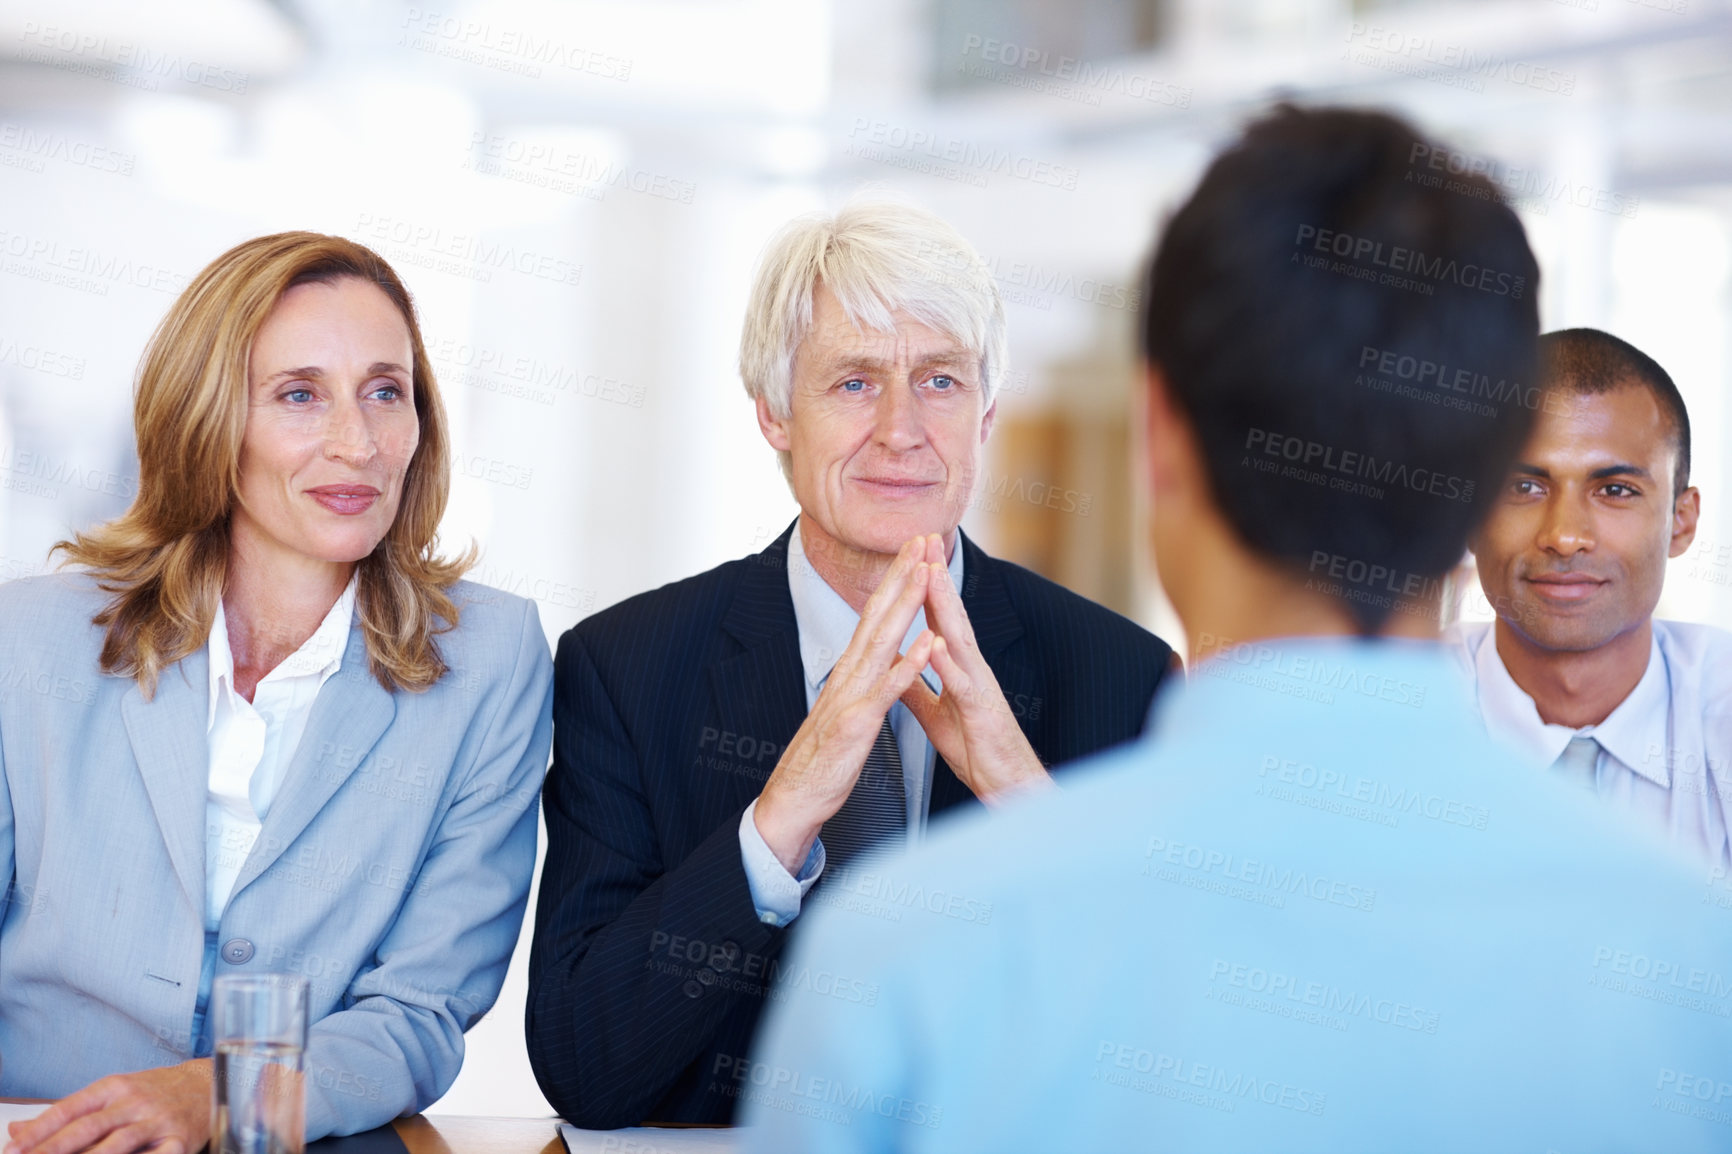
(252, 742)
(826, 623)
(1665, 751)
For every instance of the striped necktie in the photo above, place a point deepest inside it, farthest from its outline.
(876, 811)
(1577, 763)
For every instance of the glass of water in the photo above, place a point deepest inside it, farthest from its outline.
(258, 1098)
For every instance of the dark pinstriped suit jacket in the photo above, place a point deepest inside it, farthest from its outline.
(650, 966)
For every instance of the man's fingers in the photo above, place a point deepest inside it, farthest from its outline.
(876, 639)
(907, 669)
(959, 684)
(891, 586)
(923, 704)
(945, 611)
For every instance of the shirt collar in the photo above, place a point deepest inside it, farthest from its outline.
(1637, 725)
(827, 623)
(320, 654)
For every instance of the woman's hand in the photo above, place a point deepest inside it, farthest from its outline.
(166, 1111)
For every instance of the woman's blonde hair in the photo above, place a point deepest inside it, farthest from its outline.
(166, 557)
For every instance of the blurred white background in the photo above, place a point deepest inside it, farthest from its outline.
(577, 192)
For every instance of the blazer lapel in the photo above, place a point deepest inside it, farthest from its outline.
(350, 715)
(170, 745)
(996, 628)
(760, 692)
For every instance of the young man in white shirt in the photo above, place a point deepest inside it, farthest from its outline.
(1576, 674)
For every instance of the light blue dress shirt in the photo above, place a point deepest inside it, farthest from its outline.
(1317, 910)
(827, 623)
(1665, 755)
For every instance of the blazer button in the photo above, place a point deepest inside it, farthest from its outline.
(237, 951)
(693, 990)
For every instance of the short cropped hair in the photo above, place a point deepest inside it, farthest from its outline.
(1348, 338)
(876, 257)
(1587, 362)
(165, 560)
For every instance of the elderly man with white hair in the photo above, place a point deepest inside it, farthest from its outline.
(727, 747)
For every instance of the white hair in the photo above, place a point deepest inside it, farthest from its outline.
(876, 257)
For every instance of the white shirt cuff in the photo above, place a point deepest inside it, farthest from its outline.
(775, 892)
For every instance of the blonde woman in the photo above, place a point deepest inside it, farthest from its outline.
(260, 725)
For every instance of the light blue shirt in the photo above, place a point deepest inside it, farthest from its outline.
(1317, 910)
(827, 624)
(1665, 755)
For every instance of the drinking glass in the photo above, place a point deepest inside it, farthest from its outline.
(258, 1097)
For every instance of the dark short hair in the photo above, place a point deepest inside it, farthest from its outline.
(1589, 362)
(1327, 287)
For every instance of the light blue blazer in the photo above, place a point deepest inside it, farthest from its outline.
(392, 870)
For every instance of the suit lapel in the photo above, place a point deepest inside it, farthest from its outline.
(996, 629)
(760, 692)
(350, 715)
(170, 745)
